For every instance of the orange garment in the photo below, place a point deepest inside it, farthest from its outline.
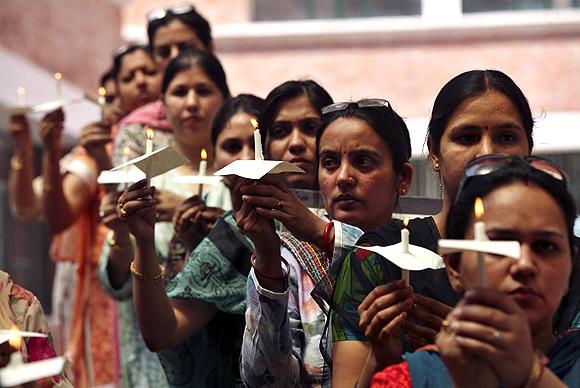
(91, 342)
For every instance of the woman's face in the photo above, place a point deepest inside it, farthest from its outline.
(235, 141)
(356, 174)
(481, 125)
(138, 82)
(191, 102)
(292, 138)
(111, 110)
(171, 39)
(539, 279)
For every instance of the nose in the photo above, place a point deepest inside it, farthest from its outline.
(247, 152)
(297, 143)
(486, 145)
(140, 79)
(524, 268)
(174, 52)
(345, 178)
(192, 100)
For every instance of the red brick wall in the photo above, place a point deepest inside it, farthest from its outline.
(73, 37)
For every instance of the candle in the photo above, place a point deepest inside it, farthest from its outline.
(16, 343)
(21, 96)
(479, 235)
(58, 78)
(258, 154)
(405, 247)
(125, 159)
(102, 100)
(202, 169)
(149, 150)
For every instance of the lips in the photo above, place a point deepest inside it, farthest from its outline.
(191, 120)
(301, 162)
(345, 200)
(524, 294)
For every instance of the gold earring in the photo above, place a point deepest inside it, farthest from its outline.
(458, 284)
(436, 166)
(403, 191)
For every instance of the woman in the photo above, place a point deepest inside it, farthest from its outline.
(498, 335)
(194, 88)
(476, 113)
(363, 152)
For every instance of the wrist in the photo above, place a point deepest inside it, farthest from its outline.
(145, 244)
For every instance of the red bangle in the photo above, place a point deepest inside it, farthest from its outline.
(252, 263)
(328, 242)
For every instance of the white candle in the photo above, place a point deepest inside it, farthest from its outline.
(201, 171)
(15, 359)
(479, 235)
(258, 154)
(58, 78)
(149, 150)
(125, 159)
(21, 96)
(16, 343)
(102, 100)
(405, 249)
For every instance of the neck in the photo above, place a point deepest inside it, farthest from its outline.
(441, 217)
(543, 338)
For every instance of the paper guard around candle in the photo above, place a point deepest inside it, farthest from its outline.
(510, 249)
(5, 334)
(256, 169)
(156, 163)
(32, 371)
(417, 259)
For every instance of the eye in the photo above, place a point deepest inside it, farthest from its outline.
(508, 137)
(128, 77)
(279, 131)
(329, 163)
(545, 247)
(310, 127)
(163, 51)
(150, 71)
(466, 138)
(180, 91)
(232, 146)
(204, 90)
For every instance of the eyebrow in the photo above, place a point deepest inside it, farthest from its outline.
(511, 232)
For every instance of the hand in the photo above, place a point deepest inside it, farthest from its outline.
(193, 220)
(167, 202)
(136, 208)
(272, 198)
(20, 131)
(382, 314)
(466, 368)
(108, 212)
(492, 325)
(428, 315)
(51, 127)
(94, 137)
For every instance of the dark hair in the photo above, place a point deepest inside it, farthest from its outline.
(316, 94)
(384, 121)
(107, 76)
(461, 212)
(247, 103)
(120, 53)
(470, 84)
(207, 61)
(192, 19)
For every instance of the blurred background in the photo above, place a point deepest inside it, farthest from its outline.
(401, 50)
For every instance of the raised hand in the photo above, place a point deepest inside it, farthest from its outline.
(51, 127)
(428, 315)
(382, 314)
(108, 211)
(193, 220)
(136, 207)
(20, 131)
(94, 137)
(167, 202)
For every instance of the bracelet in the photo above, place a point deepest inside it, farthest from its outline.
(145, 278)
(113, 243)
(284, 276)
(16, 162)
(328, 242)
(536, 372)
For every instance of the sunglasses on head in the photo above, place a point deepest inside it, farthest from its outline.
(126, 48)
(160, 14)
(366, 103)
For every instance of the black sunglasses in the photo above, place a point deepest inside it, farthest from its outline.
(160, 14)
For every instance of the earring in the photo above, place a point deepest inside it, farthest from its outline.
(436, 166)
(458, 284)
(403, 191)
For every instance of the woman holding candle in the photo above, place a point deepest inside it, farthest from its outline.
(363, 152)
(498, 336)
(194, 88)
(476, 113)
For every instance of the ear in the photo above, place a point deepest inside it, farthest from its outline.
(452, 263)
(433, 157)
(405, 178)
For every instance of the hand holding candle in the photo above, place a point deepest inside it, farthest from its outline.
(259, 155)
(479, 235)
(202, 169)
(405, 248)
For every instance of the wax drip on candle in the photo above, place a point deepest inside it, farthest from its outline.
(479, 234)
(202, 169)
(258, 154)
(16, 342)
(21, 96)
(58, 78)
(405, 247)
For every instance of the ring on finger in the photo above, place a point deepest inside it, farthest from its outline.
(122, 210)
(497, 338)
(446, 325)
(280, 205)
(102, 214)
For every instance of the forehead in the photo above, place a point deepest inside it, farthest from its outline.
(296, 108)
(491, 107)
(175, 32)
(135, 60)
(192, 75)
(238, 126)
(110, 86)
(349, 133)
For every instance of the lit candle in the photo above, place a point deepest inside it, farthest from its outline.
(102, 100)
(202, 169)
(258, 154)
(479, 234)
(125, 159)
(21, 96)
(148, 150)
(405, 245)
(16, 343)
(58, 78)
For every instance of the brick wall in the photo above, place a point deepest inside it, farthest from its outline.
(73, 37)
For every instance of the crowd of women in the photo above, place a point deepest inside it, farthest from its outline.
(267, 282)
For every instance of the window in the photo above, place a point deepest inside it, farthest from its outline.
(333, 9)
(515, 5)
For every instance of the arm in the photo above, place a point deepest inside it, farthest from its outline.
(164, 322)
(25, 202)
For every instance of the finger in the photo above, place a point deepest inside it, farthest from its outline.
(263, 189)
(132, 207)
(266, 202)
(276, 180)
(420, 331)
(482, 333)
(484, 315)
(495, 298)
(426, 317)
(372, 324)
(379, 291)
(211, 215)
(394, 326)
(432, 305)
(482, 349)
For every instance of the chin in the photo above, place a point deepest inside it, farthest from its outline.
(298, 181)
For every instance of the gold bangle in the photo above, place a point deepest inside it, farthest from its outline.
(536, 372)
(16, 162)
(145, 278)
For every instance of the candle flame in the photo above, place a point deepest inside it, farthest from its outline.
(126, 151)
(102, 91)
(21, 91)
(478, 208)
(203, 154)
(150, 133)
(254, 123)
(16, 340)
(406, 222)
(57, 76)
